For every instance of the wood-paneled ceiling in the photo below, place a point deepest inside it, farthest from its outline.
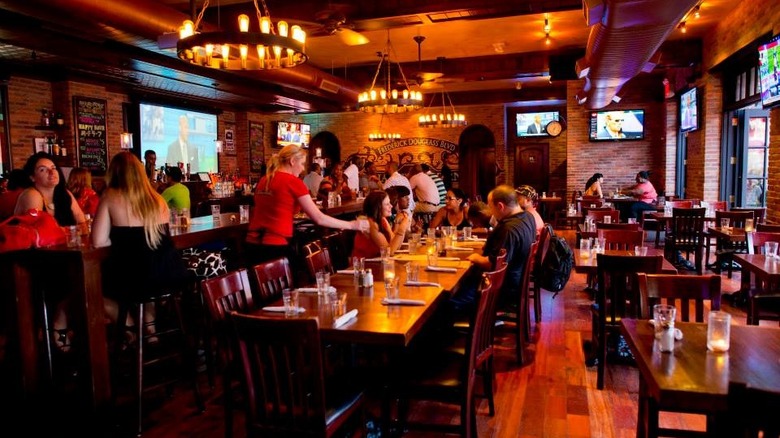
(482, 49)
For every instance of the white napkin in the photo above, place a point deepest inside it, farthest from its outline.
(402, 302)
(422, 283)
(374, 259)
(440, 269)
(477, 239)
(345, 318)
(346, 271)
(280, 309)
(402, 251)
(459, 248)
(449, 259)
(313, 290)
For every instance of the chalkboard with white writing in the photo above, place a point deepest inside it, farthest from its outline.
(91, 133)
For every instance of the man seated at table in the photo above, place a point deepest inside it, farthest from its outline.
(177, 195)
(514, 232)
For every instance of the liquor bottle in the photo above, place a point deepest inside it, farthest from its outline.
(60, 120)
(50, 145)
(55, 148)
(62, 146)
(45, 117)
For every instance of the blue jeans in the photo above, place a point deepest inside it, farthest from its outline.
(638, 207)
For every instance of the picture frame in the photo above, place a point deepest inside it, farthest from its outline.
(230, 145)
(39, 145)
(256, 147)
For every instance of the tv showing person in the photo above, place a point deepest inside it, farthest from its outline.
(613, 125)
(536, 126)
(181, 150)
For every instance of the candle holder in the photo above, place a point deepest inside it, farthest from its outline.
(718, 331)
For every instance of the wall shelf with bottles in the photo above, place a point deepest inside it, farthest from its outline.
(50, 127)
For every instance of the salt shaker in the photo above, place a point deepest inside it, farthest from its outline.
(368, 281)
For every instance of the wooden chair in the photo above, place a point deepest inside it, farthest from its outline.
(622, 239)
(599, 215)
(768, 228)
(763, 299)
(759, 213)
(284, 385)
(680, 291)
(752, 412)
(450, 377)
(271, 278)
(312, 247)
(518, 311)
(224, 294)
(618, 226)
(536, 273)
(686, 234)
(339, 248)
(617, 298)
(319, 261)
(727, 249)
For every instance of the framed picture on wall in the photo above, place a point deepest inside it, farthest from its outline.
(256, 147)
(230, 145)
(40, 145)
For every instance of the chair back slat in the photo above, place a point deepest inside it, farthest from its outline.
(687, 226)
(759, 213)
(756, 240)
(224, 294)
(618, 295)
(680, 291)
(599, 215)
(271, 278)
(319, 261)
(622, 239)
(737, 217)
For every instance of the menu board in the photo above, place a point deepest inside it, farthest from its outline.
(91, 133)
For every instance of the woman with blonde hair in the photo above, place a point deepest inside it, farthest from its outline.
(278, 196)
(132, 219)
(80, 184)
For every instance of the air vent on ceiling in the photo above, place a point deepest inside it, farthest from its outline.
(329, 86)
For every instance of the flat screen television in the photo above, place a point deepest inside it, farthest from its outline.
(689, 111)
(295, 133)
(769, 71)
(533, 124)
(617, 125)
(179, 135)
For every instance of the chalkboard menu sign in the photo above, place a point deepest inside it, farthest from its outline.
(91, 133)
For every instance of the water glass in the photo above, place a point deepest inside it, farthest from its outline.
(391, 287)
(74, 236)
(433, 256)
(358, 264)
(664, 316)
(215, 212)
(412, 272)
(748, 225)
(243, 211)
(544, 195)
(640, 251)
(290, 298)
(607, 219)
(384, 252)
(431, 235)
(388, 268)
(601, 244)
(466, 233)
(718, 331)
(632, 220)
(585, 248)
(323, 282)
(725, 223)
(770, 249)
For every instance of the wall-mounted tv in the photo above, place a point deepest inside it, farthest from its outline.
(617, 125)
(689, 111)
(769, 71)
(295, 133)
(532, 124)
(179, 135)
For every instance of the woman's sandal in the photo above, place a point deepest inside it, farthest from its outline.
(62, 339)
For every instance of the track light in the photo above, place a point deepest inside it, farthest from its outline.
(683, 28)
(696, 13)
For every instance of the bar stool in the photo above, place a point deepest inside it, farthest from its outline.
(168, 330)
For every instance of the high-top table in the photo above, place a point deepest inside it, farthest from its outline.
(84, 283)
(692, 379)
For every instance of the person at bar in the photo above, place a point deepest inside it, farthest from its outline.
(381, 234)
(132, 219)
(49, 194)
(593, 186)
(281, 193)
(80, 184)
(335, 182)
(176, 195)
(454, 213)
(313, 179)
(369, 180)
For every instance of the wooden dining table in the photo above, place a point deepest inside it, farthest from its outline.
(84, 284)
(589, 264)
(693, 379)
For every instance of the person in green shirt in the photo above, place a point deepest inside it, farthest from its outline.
(177, 195)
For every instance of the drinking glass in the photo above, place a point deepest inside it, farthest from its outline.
(357, 264)
(290, 298)
(718, 331)
(431, 235)
(243, 211)
(601, 243)
(748, 225)
(433, 256)
(770, 249)
(384, 252)
(724, 223)
(74, 236)
(664, 316)
(466, 233)
(607, 219)
(584, 248)
(215, 211)
(632, 220)
(412, 247)
(640, 250)
(412, 272)
(323, 282)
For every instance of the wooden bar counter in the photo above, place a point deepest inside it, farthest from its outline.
(84, 283)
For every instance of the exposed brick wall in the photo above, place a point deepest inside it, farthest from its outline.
(749, 20)
(773, 184)
(618, 161)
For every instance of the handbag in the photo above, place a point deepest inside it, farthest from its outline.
(33, 229)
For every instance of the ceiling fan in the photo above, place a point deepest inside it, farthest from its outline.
(334, 22)
(430, 79)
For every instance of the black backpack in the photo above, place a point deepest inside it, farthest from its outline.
(557, 265)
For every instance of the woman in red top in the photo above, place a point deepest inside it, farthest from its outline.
(80, 184)
(378, 208)
(278, 195)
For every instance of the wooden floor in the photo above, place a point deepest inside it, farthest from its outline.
(554, 395)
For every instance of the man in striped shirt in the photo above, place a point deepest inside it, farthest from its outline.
(439, 183)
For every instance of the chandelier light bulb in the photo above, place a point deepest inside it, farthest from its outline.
(265, 24)
(243, 23)
(282, 26)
